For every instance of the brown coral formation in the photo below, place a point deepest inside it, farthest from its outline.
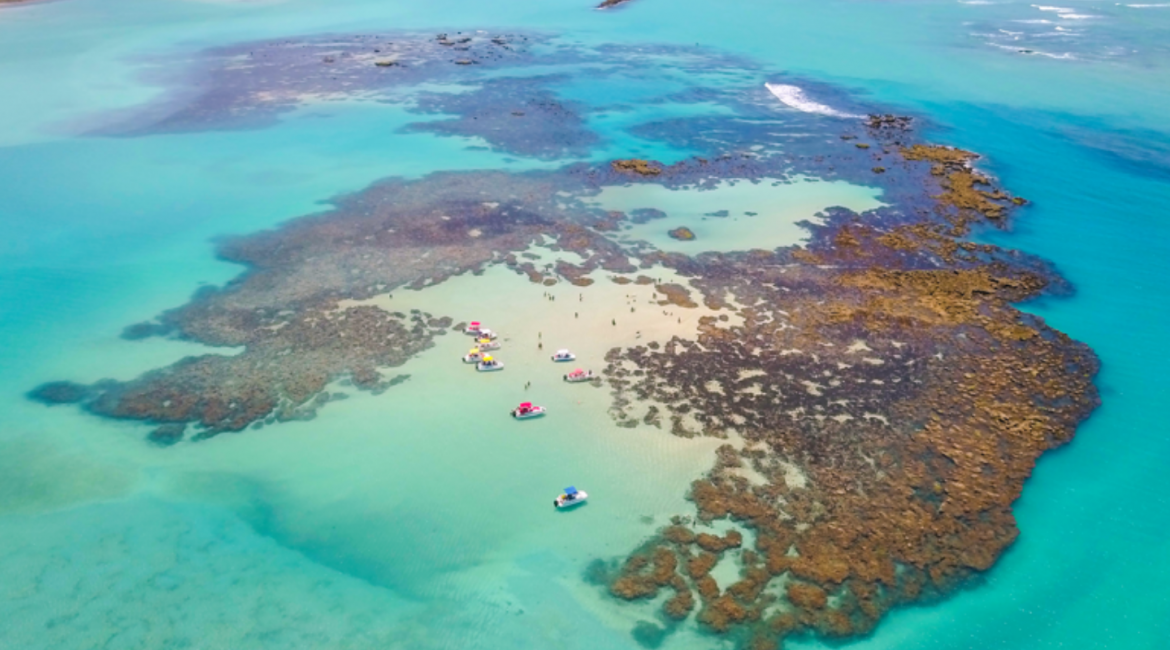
(637, 166)
(288, 313)
(891, 403)
(682, 233)
(969, 193)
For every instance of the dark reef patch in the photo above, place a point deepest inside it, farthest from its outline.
(520, 116)
(883, 399)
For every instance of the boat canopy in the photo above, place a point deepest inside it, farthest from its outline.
(474, 324)
(473, 351)
(525, 405)
(570, 490)
(487, 358)
(562, 352)
(578, 371)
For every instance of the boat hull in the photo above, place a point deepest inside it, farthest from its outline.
(482, 368)
(571, 357)
(529, 415)
(579, 379)
(562, 504)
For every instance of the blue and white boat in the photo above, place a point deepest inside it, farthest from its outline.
(570, 498)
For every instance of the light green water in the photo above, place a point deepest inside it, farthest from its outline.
(778, 208)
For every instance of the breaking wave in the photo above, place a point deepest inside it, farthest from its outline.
(794, 97)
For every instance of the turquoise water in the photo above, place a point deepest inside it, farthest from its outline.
(391, 521)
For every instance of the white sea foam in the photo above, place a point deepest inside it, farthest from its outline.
(1065, 13)
(794, 97)
(976, 2)
(1035, 21)
(1160, 5)
(1066, 56)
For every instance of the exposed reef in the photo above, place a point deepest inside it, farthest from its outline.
(890, 402)
(882, 399)
(637, 166)
(682, 233)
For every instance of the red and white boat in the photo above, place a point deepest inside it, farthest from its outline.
(579, 375)
(527, 410)
(473, 327)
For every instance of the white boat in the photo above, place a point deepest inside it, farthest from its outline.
(564, 355)
(488, 344)
(473, 327)
(527, 410)
(571, 497)
(579, 375)
(485, 333)
(474, 356)
(489, 364)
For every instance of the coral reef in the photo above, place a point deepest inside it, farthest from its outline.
(637, 166)
(882, 399)
(890, 399)
(682, 233)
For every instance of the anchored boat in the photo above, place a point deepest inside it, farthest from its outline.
(473, 327)
(487, 344)
(564, 355)
(527, 410)
(488, 364)
(570, 498)
(579, 375)
(474, 356)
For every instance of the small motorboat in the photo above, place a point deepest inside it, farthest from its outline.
(488, 344)
(564, 355)
(473, 356)
(570, 498)
(488, 364)
(527, 410)
(473, 327)
(579, 375)
(485, 333)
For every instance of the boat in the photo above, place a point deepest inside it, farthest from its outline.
(564, 355)
(570, 498)
(473, 327)
(579, 375)
(527, 410)
(489, 364)
(488, 344)
(473, 356)
(485, 333)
